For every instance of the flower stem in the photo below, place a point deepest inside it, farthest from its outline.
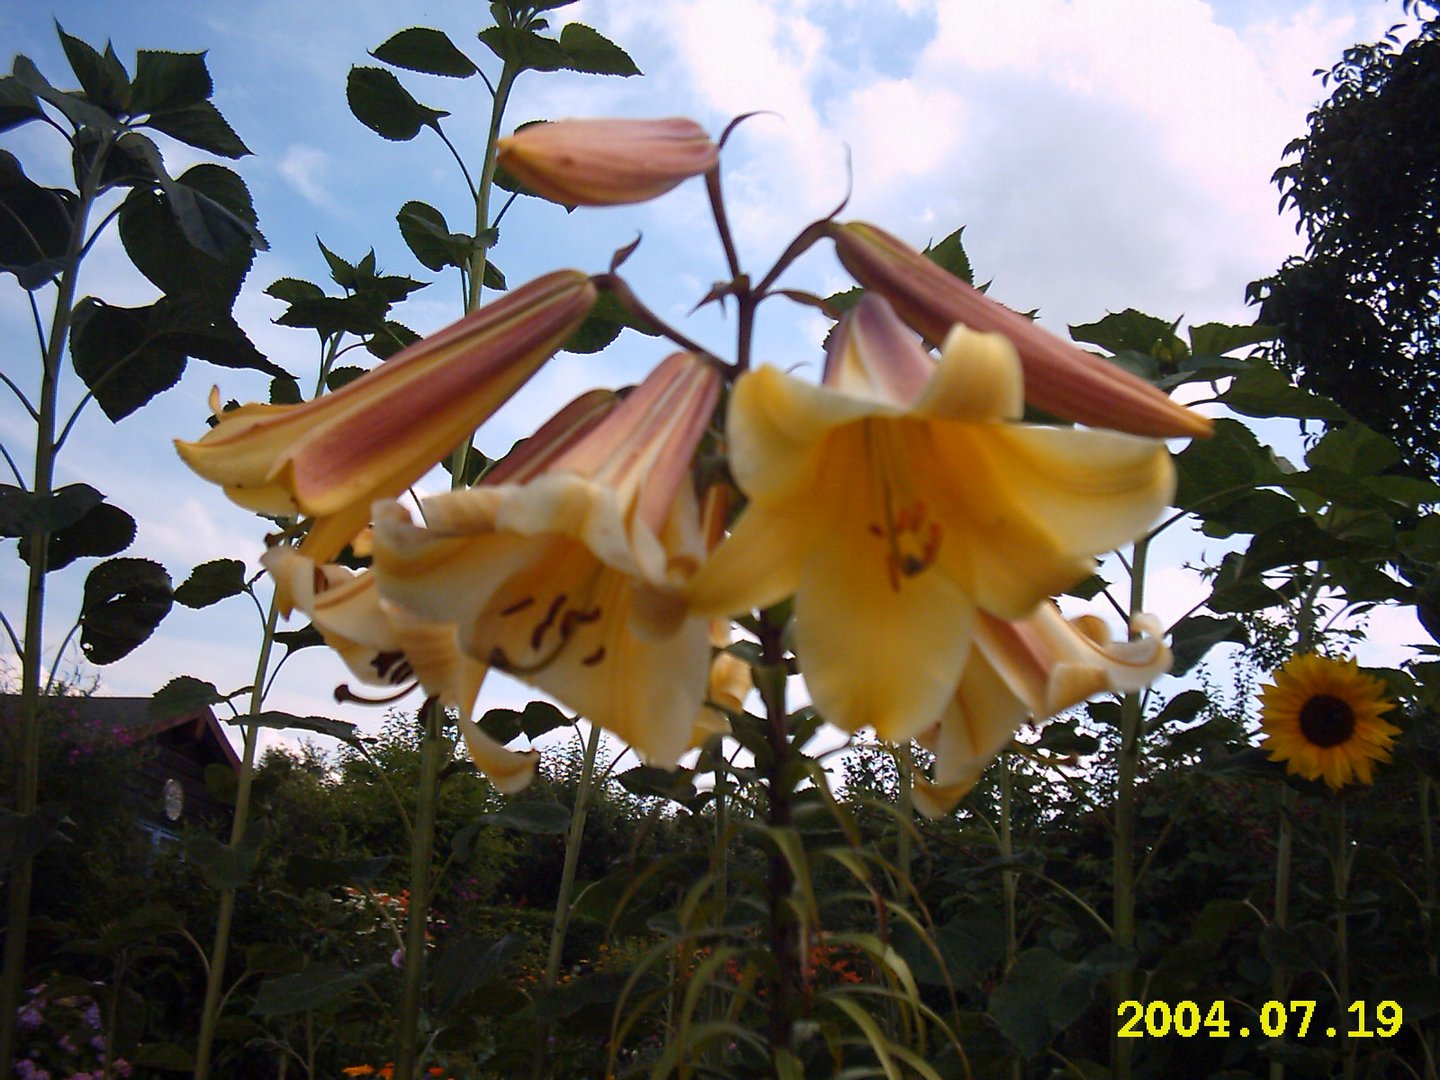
(434, 750)
(1128, 765)
(1342, 931)
(1284, 857)
(905, 764)
(224, 916)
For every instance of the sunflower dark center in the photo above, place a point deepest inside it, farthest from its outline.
(1326, 721)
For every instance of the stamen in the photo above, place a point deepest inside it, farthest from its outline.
(343, 694)
(538, 635)
(519, 605)
(393, 667)
(595, 657)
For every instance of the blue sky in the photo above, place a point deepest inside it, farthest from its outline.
(1102, 154)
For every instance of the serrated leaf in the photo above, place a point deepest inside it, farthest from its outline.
(35, 224)
(591, 52)
(1133, 330)
(390, 339)
(23, 513)
(103, 78)
(291, 290)
(75, 108)
(181, 695)
(949, 255)
(211, 582)
(1262, 391)
(17, 104)
(341, 376)
(531, 816)
(102, 530)
(1217, 339)
(200, 125)
(524, 48)
(1191, 638)
(384, 106)
(540, 718)
(425, 232)
(124, 601)
(281, 721)
(309, 990)
(168, 80)
(285, 391)
(425, 50)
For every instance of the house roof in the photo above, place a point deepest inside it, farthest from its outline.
(198, 728)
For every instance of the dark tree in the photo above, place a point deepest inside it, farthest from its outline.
(1360, 313)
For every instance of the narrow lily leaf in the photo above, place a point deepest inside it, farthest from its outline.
(201, 126)
(591, 52)
(384, 106)
(181, 695)
(425, 50)
(103, 78)
(125, 600)
(211, 582)
(169, 80)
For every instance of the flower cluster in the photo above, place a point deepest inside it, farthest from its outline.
(62, 1038)
(918, 522)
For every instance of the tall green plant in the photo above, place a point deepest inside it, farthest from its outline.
(193, 236)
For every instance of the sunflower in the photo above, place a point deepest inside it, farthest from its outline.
(1322, 717)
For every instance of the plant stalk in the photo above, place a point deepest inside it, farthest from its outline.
(784, 930)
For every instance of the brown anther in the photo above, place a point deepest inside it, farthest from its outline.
(595, 657)
(318, 581)
(538, 635)
(519, 605)
(393, 667)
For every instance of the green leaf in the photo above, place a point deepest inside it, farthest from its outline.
(540, 718)
(1192, 637)
(1217, 339)
(361, 314)
(384, 106)
(649, 781)
(949, 255)
(593, 53)
(167, 1057)
(102, 530)
(429, 51)
(310, 990)
(211, 582)
(321, 725)
(23, 513)
(1294, 951)
(103, 78)
(1182, 708)
(525, 48)
(273, 958)
(181, 695)
(1131, 329)
(475, 465)
(124, 601)
(1228, 466)
(17, 104)
(223, 866)
(285, 391)
(307, 637)
(390, 339)
(169, 80)
(1062, 738)
(1262, 391)
(35, 224)
(201, 126)
(603, 325)
(425, 232)
(309, 872)
(1041, 996)
(470, 962)
(26, 835)
(341, 272)
(75, 108)
(531, 816)
(342, 376)
(291, 290)
(1353, 449)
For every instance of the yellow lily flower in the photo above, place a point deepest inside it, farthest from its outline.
(568, 573)
(900, 500)
(607, 162)
(1028, 670)
(331, 457)
(384, 645)
(1060, 378)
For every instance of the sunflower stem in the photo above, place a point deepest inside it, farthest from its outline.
(1284, 858)
(1342, 943)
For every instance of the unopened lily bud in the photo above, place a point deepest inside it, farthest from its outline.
(1060, 378)
(607, 162)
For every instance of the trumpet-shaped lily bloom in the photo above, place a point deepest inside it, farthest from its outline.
(569, 573)
(1028, 670)
(1060, 378)
(384, 645)
(331, 457)
(900, 500)
(607, 162)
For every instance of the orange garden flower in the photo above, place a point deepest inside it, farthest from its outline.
(570, 576)
(1322, 717)
(1060, 378)
(902, 497)
(329, 458)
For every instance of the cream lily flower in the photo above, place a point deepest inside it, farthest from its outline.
(329, 458)
(730, 683)
(1028, 670)
(384, 645)
(569, 574)
(607, 162)
(1060, 378)
(900, 500)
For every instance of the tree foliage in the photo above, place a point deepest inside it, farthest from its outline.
(1360, 312)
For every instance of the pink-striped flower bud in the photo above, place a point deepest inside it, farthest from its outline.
(607, 162)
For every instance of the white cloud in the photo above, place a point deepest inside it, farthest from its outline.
(305, 168)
